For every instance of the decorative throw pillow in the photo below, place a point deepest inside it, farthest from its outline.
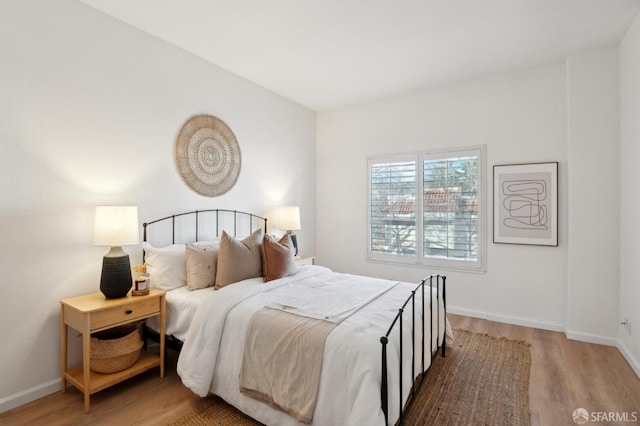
(277, 258)
(214, 242)
(201, 265)
(166, 266)
(239, 259)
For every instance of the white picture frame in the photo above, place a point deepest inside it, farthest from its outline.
(525, 204)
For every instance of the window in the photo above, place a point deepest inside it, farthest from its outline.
(427, 209)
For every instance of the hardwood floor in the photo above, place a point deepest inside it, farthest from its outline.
(565, 375)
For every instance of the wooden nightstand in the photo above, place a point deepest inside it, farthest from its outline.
(305, 260)
(91, 313)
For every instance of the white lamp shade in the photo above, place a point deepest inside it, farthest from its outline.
(116, 226)
(288, 218)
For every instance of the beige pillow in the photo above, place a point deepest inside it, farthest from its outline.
(201, 265)
(239, 259)
(277, 258)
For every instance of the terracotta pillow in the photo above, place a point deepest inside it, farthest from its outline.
(277, 258)
(239, 259)
(201, 265)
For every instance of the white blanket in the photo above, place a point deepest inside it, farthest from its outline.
(282, 357)
(327, 296)
(350, 379)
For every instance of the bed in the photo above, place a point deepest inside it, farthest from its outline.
(375, 351)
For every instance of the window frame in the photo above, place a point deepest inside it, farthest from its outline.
(419, 259)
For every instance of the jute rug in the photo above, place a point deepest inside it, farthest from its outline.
(214, 411)
(483, 380)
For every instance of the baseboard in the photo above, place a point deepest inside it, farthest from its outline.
(591, 338)
(506, 319)
(633, 361)
(573, 335)
(17, 399)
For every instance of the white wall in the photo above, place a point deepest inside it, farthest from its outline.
(566, 113)
(89, 112)
(630, 193)
(593, 199)
(520, 117)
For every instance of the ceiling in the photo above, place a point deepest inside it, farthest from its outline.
(327, 54)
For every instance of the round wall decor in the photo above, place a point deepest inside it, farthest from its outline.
(207, 155)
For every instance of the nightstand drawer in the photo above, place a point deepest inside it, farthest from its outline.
(125, 313)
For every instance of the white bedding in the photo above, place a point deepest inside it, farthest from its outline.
(349, 393)
(182, 304)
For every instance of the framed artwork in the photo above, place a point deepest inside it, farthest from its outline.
(525, 204)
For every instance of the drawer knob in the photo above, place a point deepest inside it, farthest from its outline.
(128, 311)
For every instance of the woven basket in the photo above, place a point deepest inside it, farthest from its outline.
(115, 349)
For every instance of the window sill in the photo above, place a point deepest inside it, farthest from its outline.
(438, 267)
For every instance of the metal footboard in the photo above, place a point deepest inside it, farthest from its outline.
(439, 282)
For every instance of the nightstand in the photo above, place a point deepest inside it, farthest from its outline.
(91, 313)
(305, 260)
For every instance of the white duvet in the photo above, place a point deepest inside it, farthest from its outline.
(182, 305)
(349, 391)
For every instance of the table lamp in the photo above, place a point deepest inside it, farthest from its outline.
(288, 218)
(116, 226)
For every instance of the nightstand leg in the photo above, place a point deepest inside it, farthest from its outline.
(86, 367)
(163, 330)
(63, 351)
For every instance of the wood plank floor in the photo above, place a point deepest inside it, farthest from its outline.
(565, 375)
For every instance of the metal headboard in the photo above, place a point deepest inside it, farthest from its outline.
(236, 215)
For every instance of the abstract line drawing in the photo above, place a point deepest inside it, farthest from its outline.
(523, 202)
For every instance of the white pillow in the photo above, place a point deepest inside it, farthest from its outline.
(167, 266)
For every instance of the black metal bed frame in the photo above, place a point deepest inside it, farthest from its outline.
(440, 282)
(197, 213)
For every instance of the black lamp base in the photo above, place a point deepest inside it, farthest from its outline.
(116, 278)
(294, 240)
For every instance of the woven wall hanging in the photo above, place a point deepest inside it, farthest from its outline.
(207, 155)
